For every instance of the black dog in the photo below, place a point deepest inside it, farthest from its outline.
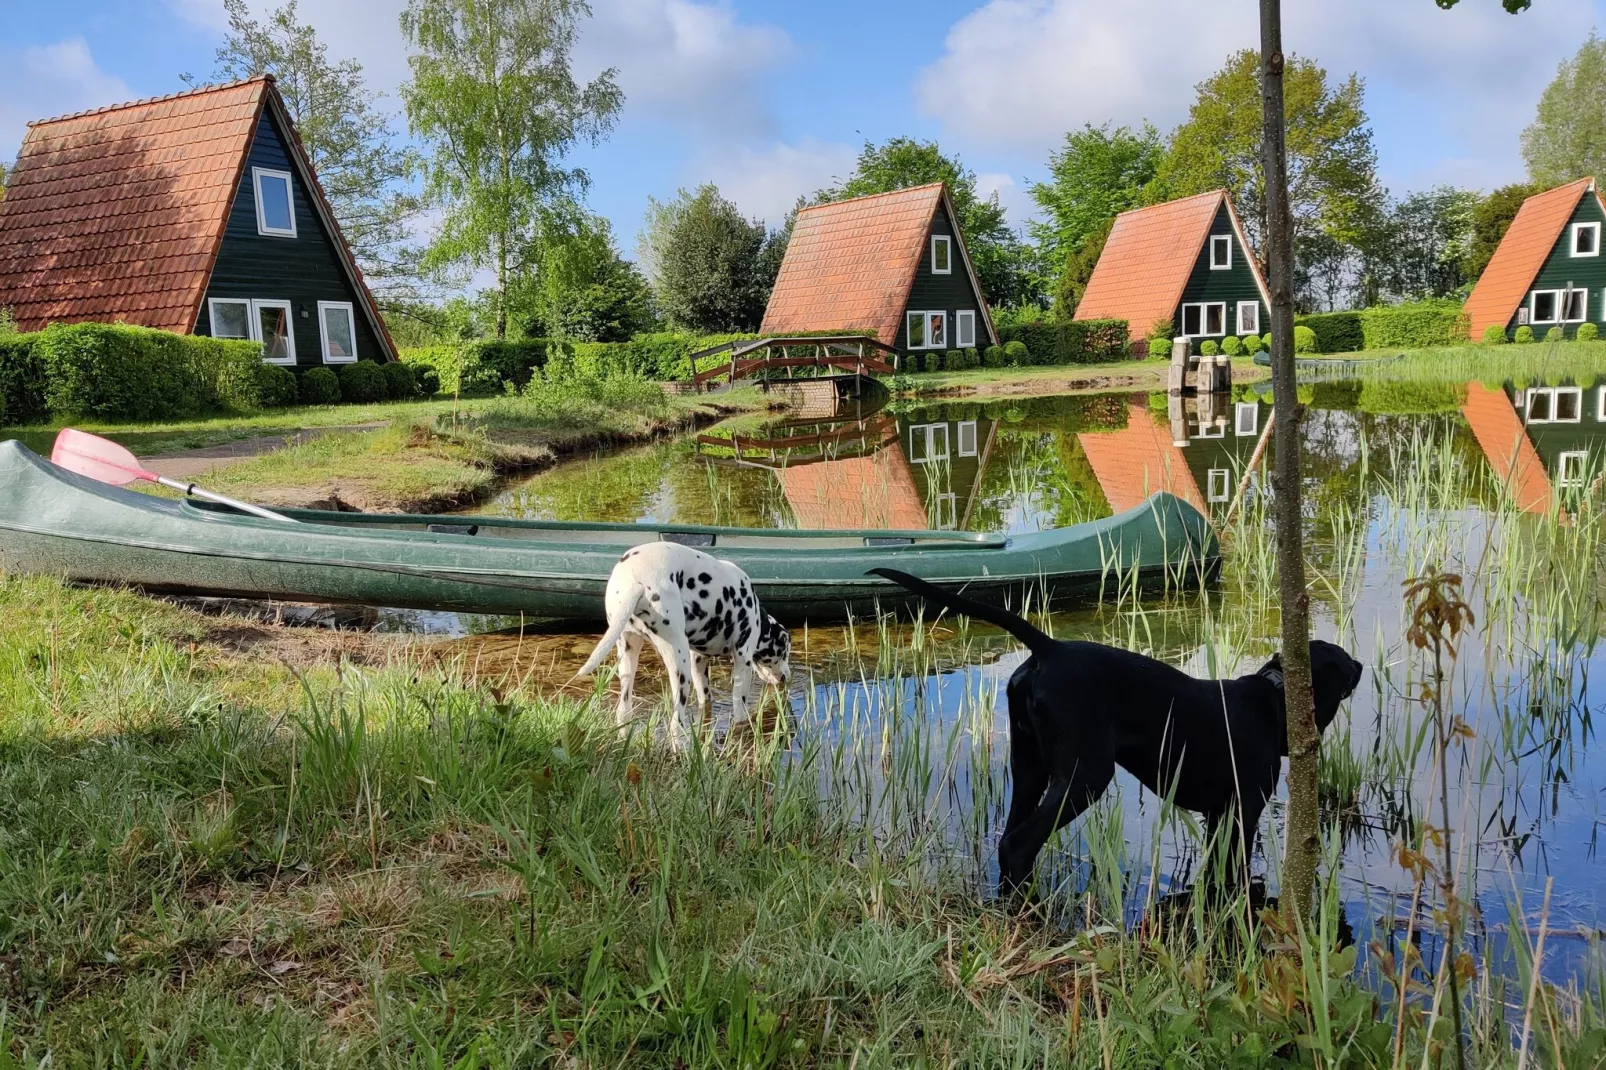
(1078, 709)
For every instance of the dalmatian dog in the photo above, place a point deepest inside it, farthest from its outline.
(690, 606)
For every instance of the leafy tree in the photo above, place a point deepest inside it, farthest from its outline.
(1098, 174)
(1077, 269)
(711, 268)
(584, 290)
(348, 139)
(1567, 140)
(1332, 164)
(1327, 274)
(1491, 218)
(1423, 249)
(1002, 261)
(493, 94)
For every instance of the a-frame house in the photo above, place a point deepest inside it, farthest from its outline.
(1548, 270)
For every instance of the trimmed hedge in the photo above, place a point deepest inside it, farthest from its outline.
(1251, 344)
(1209, 348)
(1495, 334)
(1336, 332)
(481, 367)
(362, 382)
(1070, 341)
(400, 384)
(276, 386)
(994, 357)
(1556, 334)
(1418, 325)
(1524, 333)
(320, 386)
(1304, 340)
(1016, 354)
(1231, 346)
(22, 380)
(1587, 332)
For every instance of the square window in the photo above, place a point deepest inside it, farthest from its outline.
(936, 330)
(1248, 317)
(275, 331)
(967, 438)
(1539, 406)
(1219, 487)
(1246, 419)
(1544, 304)
(947, 510)
(928, 443)
(1569, 404)
(1216, 319)
(230, 319)
(1586, 239)
(1220, 252)
(1570, 468)
(1212, 428)
(965, 329)
(1575, 306)
(339, 332)
(275, 211)
(941, 254)
(917, 329)
(1192, 317)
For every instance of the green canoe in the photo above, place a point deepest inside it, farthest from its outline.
(56, 523)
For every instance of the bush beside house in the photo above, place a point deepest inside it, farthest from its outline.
(1416, 325)
(1069, 341)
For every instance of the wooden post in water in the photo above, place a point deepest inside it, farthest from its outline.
(1177, 377)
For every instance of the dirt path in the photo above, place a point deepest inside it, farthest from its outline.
(191, 464)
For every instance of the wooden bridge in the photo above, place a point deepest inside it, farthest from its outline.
(851, 353)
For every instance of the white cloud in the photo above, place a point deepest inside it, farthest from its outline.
(207, 14)
(1019, 73)
(1014, 196)
(43, 81)
(766, 182)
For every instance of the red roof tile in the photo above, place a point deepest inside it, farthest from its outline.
(1522, 252)
(1505, 443)
(1146, 262)
(849, 264)
(1138, 460)
(875, 491)
(116, 213)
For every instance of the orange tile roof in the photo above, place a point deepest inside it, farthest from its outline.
(1521, 253)
(875, 491)
(1134, 462)
(1505, 443)
(850, 263)
(117, 213)
(1146, 262)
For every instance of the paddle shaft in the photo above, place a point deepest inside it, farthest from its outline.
(200, 492)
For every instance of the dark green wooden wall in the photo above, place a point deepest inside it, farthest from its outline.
(303, 270)
(1561, 268)
(943, 293)
(1231, 286)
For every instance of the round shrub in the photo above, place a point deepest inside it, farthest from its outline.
(320, 387)
(1231, 346)
(400, 384)
(1494, 335)
(1555, 334)
(276, 386)
(1525, 333)
(1209, 348)
(972, 358)
(1251, 344)
(1160, 348)
(1587, 332)
(1265, 342)
(362, 382)
(994, 357)
(1304, 340)
(953, 360)
(1016, 355)
(428, 380)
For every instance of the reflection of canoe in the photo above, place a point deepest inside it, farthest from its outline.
(54, 522)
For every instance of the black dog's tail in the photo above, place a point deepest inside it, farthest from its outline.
(1021, 629)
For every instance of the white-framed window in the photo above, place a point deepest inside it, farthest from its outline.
(1246, 419)
(1206, 319)
(1218, 486)
(1544, 306)
(967, 438)
(1600, 404)
(927, 330)
(270, 320)
(1555, 404)
(1248, 317)
(947, 510)
(1220, 252)
(1586, 239)
(338, 322)
(231, 317)
(965, 328)
(928, 443)
(1574, 306)
(1212, 428)
(942, 254)
(276, 214)
(1570, 468)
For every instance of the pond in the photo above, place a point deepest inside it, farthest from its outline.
(908, 726)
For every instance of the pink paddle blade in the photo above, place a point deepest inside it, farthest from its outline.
(98, 458)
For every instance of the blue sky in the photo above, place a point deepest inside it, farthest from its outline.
(772, 98)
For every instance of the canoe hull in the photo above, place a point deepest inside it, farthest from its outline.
(55, 523)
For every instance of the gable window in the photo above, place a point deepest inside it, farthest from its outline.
(1220, 252)
(927, 330)
(1570, 468)
(1586, 239)
(1555, 405)
(1543, 306)
(928, 443)
(230, 319)
(276, 215)
(1248, 317)
(1219, 484)
(271, 319)
(967, 438)
(1245, 419)
(965, 328)
(1204, 320)
(941, 254)
(339, 332)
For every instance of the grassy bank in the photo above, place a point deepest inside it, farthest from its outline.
(1058, 379)
(436, 459)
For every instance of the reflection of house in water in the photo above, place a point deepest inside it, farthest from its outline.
(1541, 439)
(1140, 459)
(872, 472)
(1218, 436)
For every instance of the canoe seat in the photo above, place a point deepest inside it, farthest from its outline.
(688, 538)
(872, 540)
(455, 529)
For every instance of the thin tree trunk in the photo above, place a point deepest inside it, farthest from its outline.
(1303, 846)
